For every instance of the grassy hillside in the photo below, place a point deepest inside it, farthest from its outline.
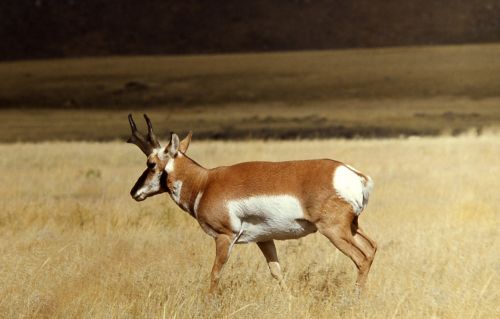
(371, 92)
(74, 244)
(291, 78)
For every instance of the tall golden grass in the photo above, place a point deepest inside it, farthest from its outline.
(74, 244)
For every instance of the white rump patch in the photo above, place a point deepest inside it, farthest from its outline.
(352, 187)
(261, 218)
(351, 168)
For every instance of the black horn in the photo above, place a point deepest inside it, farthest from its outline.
(153, 140)
(138, 139)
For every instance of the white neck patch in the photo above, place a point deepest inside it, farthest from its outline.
(176, 191)
(169, 168)
(197, 203)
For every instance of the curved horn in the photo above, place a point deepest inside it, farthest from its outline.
(153, 140)
(138, 139)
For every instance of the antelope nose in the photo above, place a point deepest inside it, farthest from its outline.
(138, 196)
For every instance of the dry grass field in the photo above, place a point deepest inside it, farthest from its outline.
(74, 244)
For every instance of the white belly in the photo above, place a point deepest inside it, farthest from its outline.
(268, 217)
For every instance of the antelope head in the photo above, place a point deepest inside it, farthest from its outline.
(154, 179)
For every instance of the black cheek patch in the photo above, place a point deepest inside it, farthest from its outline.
(163, 181)
(139, 183)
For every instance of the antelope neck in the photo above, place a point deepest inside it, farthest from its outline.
(185, 182)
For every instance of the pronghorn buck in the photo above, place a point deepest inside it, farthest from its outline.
(258, 202)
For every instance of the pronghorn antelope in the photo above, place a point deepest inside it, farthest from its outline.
(258, 202)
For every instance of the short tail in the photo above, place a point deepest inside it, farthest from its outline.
(368, 184)
(353, 186)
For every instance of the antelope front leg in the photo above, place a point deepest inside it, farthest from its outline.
(222, 246)
(269, 251)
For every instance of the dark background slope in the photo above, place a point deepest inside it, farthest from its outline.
(66, 28)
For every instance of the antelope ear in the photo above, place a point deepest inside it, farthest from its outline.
(173, 146)
(185, 142)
